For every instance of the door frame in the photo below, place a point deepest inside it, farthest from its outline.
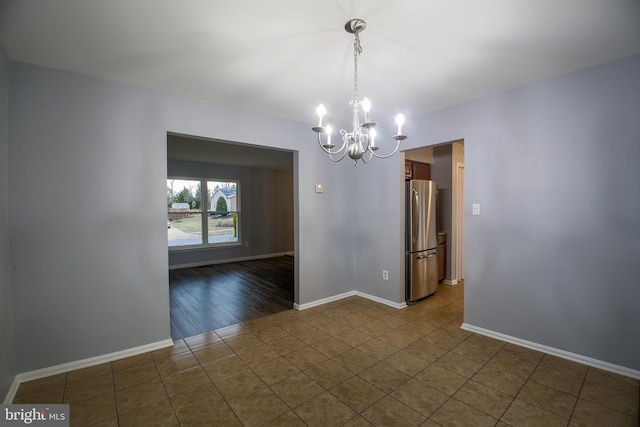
(459, 221)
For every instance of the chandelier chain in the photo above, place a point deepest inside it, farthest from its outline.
(357, 50)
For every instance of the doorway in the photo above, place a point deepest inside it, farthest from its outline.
(447, 169)
(219, 282)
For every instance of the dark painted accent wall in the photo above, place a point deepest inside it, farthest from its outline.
(7, 347)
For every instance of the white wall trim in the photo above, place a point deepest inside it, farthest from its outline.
(13, 389)
(605, 366)
(227, 260)
(398, 305)
(324, 300)
(459, 221)
(450, 282)
(79, 364)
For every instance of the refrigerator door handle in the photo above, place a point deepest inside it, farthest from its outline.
(415, 213)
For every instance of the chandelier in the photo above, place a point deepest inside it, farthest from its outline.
(360, 143)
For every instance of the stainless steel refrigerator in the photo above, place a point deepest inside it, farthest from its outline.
(421, 240)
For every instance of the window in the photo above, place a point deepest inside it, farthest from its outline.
(222, 213)
(197, 208)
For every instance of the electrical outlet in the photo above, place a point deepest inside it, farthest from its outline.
(475, 209)
(246, 243)
(385, 274)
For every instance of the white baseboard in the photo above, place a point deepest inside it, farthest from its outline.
(323, 301)
(79, 364)
(398, 305)
(338, 297)
(450, 282)
(605, 366)
(227, 260)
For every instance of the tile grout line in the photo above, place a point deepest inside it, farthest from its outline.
(226, 401)
(115, 395)
(575, 405)
(164, 387)
(384, 360)
(466, 382)
(515, 397)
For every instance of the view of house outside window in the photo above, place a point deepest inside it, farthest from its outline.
(200, 207)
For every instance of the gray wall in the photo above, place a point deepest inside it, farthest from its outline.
(378, 220)
(88, 164)
(266, 211)
(553, 257)
(7, 349)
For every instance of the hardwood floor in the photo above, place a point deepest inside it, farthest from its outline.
(211, 297)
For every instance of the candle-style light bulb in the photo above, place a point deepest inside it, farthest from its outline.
(328, 131)
(372, 139)
(366, 106)
(321, 111)
(399, 122)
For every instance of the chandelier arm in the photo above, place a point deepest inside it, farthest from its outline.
(328, 151)
(388, 155)
(365, 146)
(365, 160)
(344, 153)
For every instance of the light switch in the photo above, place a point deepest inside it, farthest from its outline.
(475, 209)
(319, 188)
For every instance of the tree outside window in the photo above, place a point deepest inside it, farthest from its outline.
(221, 205)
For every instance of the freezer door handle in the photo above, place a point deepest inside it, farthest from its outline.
(426, 256)
(415, 213)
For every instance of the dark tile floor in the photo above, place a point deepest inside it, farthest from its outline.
(353, 362)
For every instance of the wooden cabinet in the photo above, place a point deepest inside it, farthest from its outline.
(416, 170)
(421, 170)
(408, 171)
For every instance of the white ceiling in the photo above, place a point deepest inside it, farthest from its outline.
(283, 57)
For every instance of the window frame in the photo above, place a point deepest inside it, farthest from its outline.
(205, 210)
